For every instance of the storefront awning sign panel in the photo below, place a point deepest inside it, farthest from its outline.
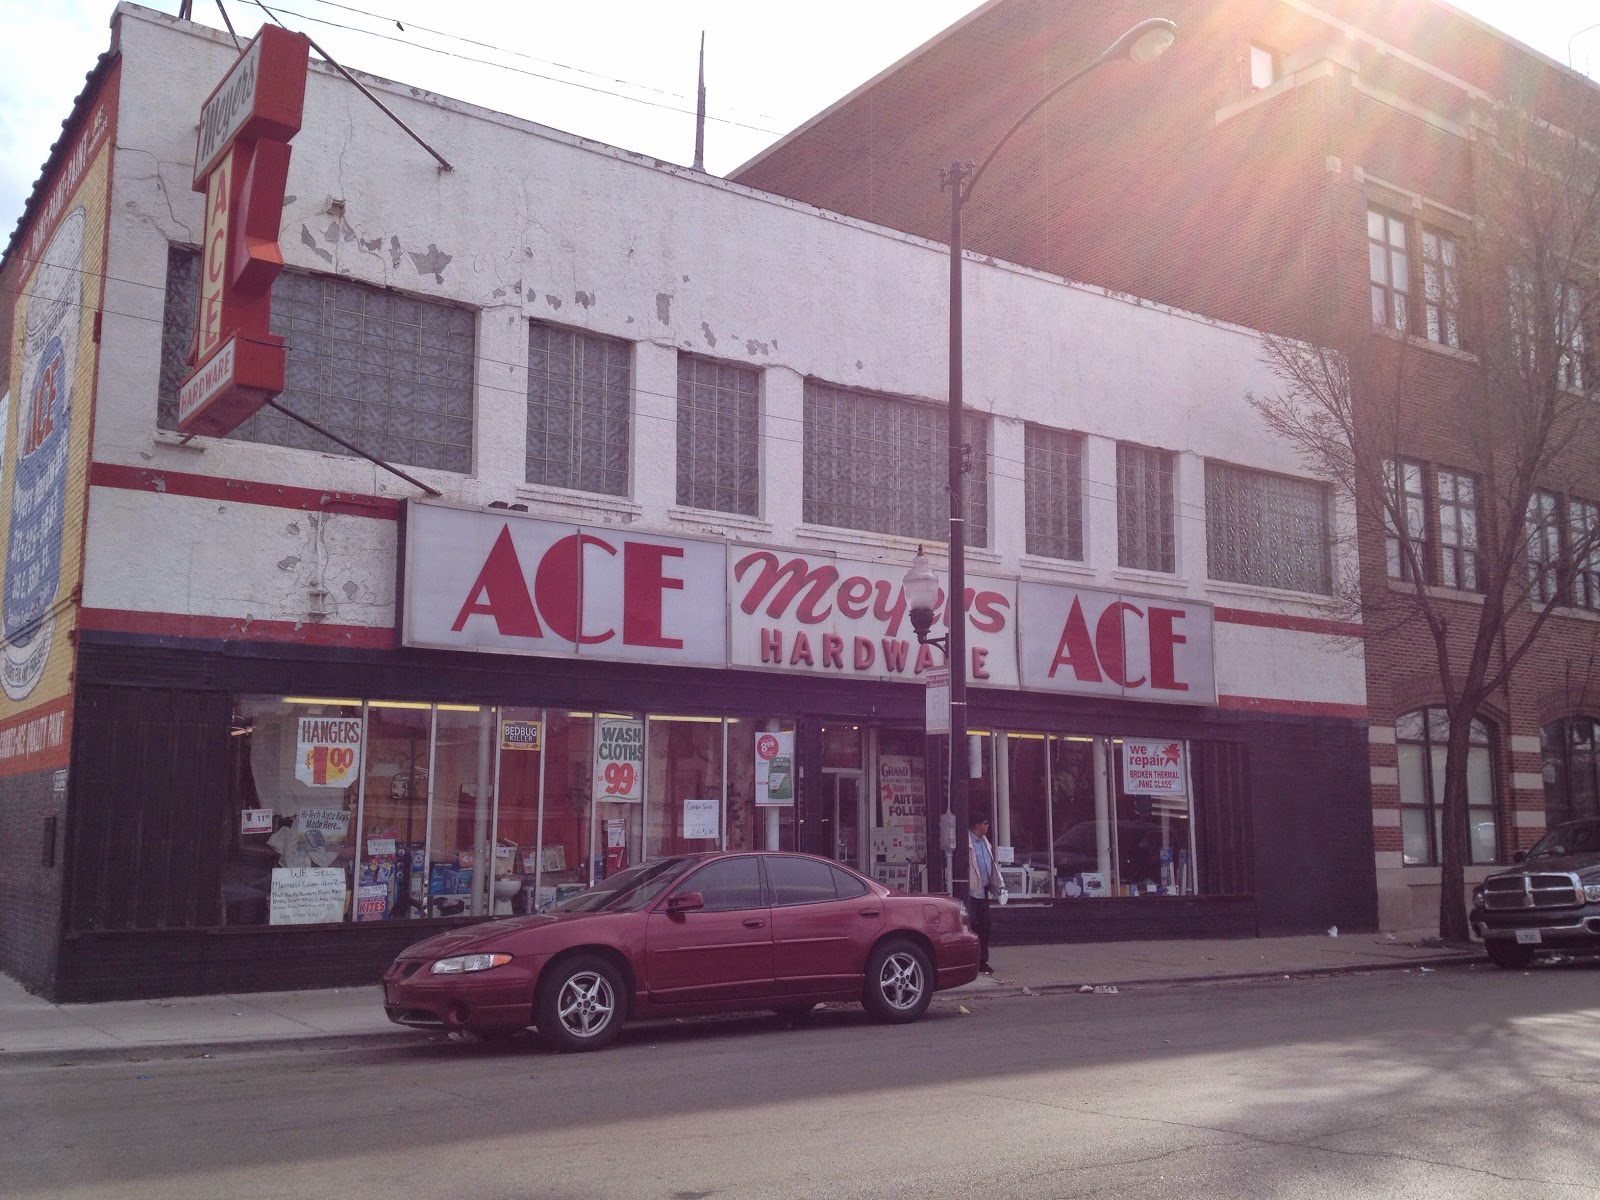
(831, 616)
(1096, 643)
(511, 584)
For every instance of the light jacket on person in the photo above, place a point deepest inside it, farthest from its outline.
(983, 889)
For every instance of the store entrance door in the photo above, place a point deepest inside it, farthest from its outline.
(844, 793)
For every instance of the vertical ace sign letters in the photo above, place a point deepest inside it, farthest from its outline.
(242, 166)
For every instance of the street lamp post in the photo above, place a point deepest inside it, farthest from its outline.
(1143, 43)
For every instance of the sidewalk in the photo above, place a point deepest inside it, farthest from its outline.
(35, 1031)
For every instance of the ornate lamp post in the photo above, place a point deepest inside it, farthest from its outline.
(1144, 43)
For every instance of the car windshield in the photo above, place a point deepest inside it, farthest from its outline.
(630, 890)
(1575, 837)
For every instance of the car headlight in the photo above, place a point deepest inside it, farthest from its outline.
(469, 962)
(1477, 897)
(1591, 892)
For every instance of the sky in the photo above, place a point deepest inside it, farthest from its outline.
(617, 71)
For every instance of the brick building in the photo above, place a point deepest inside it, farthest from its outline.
(1313, 168)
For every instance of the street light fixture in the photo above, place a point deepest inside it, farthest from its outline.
(1143, 43)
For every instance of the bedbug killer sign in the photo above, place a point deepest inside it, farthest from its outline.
(327, 751)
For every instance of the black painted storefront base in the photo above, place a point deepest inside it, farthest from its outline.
(1143, 919)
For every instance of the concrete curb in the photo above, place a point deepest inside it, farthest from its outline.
(135, 1053)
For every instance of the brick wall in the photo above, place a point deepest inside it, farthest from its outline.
(30, 890)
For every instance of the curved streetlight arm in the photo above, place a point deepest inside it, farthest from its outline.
(1123, 47)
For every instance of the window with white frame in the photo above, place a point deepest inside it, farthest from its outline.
(390, 372)
(1457, 507)
(881, 463)
(1544, 546)
(580, 388)
(1420, 741)
(1405, 520)
(1053, 492)
(1563, 540)
(719, 435)
(1388, 268)
(1146, 512)
(1566, 322)
(1268, 530)
(1441, 288)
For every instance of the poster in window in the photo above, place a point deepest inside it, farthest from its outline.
(774, 768)
(1152, 768)
(619, 760)
(700, 818)
(327, 751)
(307, 896)
(316, 838)
(521, 735)
(903, 806)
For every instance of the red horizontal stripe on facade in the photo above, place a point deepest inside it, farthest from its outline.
(38, 739)
(1268, 620)
(1294, 708)
(308, 633)
(242, 491)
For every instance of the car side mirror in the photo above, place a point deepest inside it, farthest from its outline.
(1520, 856)
(685, 902)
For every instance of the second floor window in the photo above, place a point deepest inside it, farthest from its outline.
(1146, 518)
(392, 373)
(1544, 546)
(1457, 495)
(1268, 530)
(1564, 541)
(1053, 492)
(1441, 288)
(1405, 519)
(719, 436)
(1410, 291)
(579, 390)
(880, 463)
(1388, 269)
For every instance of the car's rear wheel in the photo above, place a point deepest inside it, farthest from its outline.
(1509, 954)
(899, 982)
(581, 1003)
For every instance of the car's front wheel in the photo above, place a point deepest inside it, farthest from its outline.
(581, 1003)
(899, 982)
(1510, 955)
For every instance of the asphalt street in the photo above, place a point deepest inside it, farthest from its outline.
(1459, 1082)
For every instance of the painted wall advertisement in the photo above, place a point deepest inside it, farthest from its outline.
(1153, 768)
(774, 767)
(52, 355)
(619, 760)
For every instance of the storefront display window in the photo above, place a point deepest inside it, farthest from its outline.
(761, 784)
(397, 775)
(683, 785)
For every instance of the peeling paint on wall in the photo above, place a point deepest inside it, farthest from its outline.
(664, 307)
(584, 298)
(432, 263)
(290, 563)
(351, 587)
(552, 301)
(753, 347)
(308, 239)
(373, 246)
(339, 231)
(394, 251)
(711, 338)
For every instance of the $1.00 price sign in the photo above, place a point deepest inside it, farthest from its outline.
(327, 750)
(619, 760)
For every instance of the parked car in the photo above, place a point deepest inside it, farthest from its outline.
(694, 933)
(1550, 901)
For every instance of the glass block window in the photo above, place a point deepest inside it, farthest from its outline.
(1407, 498)
(1146, 515)
(1544, 545)
(1441, 288)
(1420, 740)
(880, 463)
(1053, 492)
(390, 372)
(579, 391)
(1458, 529)
(1583, 524)
(1388, 268)
(719, 436)
(1269, 530)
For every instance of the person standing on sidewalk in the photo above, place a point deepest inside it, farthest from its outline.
(983, 883)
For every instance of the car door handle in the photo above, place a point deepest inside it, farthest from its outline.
(753, 923)
(871, 912)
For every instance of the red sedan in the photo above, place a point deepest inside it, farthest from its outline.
(693, 934)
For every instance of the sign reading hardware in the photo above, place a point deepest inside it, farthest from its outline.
(242, 166)
(508, 583)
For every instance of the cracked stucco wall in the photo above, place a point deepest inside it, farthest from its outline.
(537, 224)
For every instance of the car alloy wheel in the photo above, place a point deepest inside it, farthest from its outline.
(580, 1004)
(899, 982)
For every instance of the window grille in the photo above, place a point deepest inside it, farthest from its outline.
(1053, 492)
(1146, 530)
(579, 390)
(1268, 530)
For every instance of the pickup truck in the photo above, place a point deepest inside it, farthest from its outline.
(1550, 901)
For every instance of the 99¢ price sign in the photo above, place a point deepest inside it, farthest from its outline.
(619, 760)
